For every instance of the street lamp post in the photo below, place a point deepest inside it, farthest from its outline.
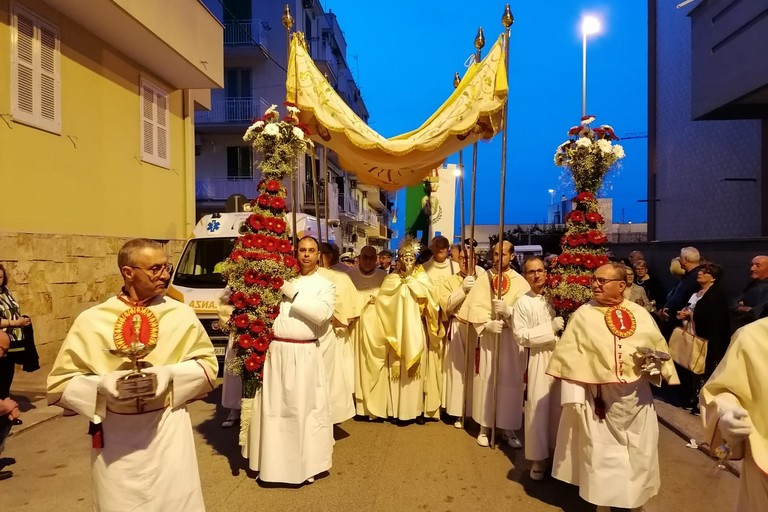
(589, 26)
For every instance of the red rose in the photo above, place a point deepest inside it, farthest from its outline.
(256, 222)
(248, 241)
(257, 326)
(236, 255)
(284, 246)
(584, 197)
(290, 261)
(273, 312)
(590, 261)
(273, 186)
(564, 259)
(578, 259)
(262, 281)
(595, 237)
(270, 246)
(554, 280)
(602, 260)
(252, 363)
(258, 240)
(253, 300)
(245, 341)
(277, 283)
(571, 279)
(575, 216)
(263, 200)
(241, 321)
(250, 276)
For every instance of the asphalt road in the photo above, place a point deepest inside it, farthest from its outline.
(377, 467)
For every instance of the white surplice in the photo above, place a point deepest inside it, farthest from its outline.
(148, 459)
(291, 434)
(532, 326)
(476, 310)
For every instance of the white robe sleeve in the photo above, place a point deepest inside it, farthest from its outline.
(82, 396)
(190, 381)
(455, 300)
(540, 335)
(317, 308)
(572, 392)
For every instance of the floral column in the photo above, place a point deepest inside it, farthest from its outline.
(589, 155)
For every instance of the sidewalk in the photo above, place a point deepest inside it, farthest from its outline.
(687, 426)
(28, 390)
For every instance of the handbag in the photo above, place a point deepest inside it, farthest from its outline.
(687, 349)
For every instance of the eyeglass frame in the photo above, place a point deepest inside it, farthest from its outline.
(154, 274)
(536, 271)
(602, 281)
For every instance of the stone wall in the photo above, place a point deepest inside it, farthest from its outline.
(56, 277)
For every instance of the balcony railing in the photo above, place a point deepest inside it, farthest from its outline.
(370, 219)
(348, 206)
(245, 32)
(309, 194)
(219, 189)
(232, 110)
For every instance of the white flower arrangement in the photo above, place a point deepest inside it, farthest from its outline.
(282, 141)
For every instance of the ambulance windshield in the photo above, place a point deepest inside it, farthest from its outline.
(200, 264)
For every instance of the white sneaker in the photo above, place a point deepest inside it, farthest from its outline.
(457, 424)
(482, 439)
(537, 470)
(311, 480)
(512, 440)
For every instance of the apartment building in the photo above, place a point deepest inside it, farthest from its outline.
(97, 109)
(255, 55)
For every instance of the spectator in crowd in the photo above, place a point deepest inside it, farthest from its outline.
(636, 293)
(708, 310)
(634, 257)
(9, 409)
(752, 302)
(675, 268)
(677, 298)
(14, 324)
(653, 288)
(385, 260)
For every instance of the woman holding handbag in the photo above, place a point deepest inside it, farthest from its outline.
(707, 309)
(13, 324)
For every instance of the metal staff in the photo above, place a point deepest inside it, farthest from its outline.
(469, 347)
(506, 19)
(464, 327)
(316, 195)
(325, 193)
(288, 23)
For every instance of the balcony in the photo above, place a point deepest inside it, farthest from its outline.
(245, 33)
(348, 208)
(324, 57)
(309, 196)
(219, 189)
(239, 111)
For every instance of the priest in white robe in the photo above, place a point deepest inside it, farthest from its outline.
(451, 295)
(537, 329)
(491, 318)
(408, 312)
(607, 442)
(735, 412)
(143, 450)
(291, 434)
(368, 340)
(439, 268)
(336, 344)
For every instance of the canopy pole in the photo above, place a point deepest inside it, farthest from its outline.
(326, 192)
(506, 19)
(479, 44)
(288, 23)
(316, 195)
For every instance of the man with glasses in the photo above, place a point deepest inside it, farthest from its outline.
(9, 409)
(537, 328)
(143, 449)
(608, 438)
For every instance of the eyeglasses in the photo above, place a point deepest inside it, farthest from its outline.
(156, 271)
(536, 271)
(601, 281)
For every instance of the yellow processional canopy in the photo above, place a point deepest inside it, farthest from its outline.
(473, 112)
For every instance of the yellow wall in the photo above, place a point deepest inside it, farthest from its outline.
(90, 179)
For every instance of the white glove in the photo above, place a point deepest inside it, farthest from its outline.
(494, 326)
(164, 376)
(735, 424)
(651, 367)
(289, 290)
(108, 383)
(558, 324)
(501, 309)
(468, 283)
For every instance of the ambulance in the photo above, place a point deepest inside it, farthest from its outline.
(197, 279)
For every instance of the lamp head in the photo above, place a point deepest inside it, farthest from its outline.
(590, 25)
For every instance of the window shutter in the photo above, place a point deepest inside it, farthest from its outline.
(154, 125)
(35, 69)
(25, 70)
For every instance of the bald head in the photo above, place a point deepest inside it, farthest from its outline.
(759, 267)
(367, 261)
(506, 255)
(5, 343)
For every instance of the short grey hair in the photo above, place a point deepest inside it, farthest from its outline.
(127, 254)
(690, 254)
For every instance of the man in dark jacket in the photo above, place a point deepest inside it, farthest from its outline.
(753, 301)
(677, 298)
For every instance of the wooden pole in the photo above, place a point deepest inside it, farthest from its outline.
(288, 24)
(326, 192)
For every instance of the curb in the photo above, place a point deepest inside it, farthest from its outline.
(39, 414)
(731, 466)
